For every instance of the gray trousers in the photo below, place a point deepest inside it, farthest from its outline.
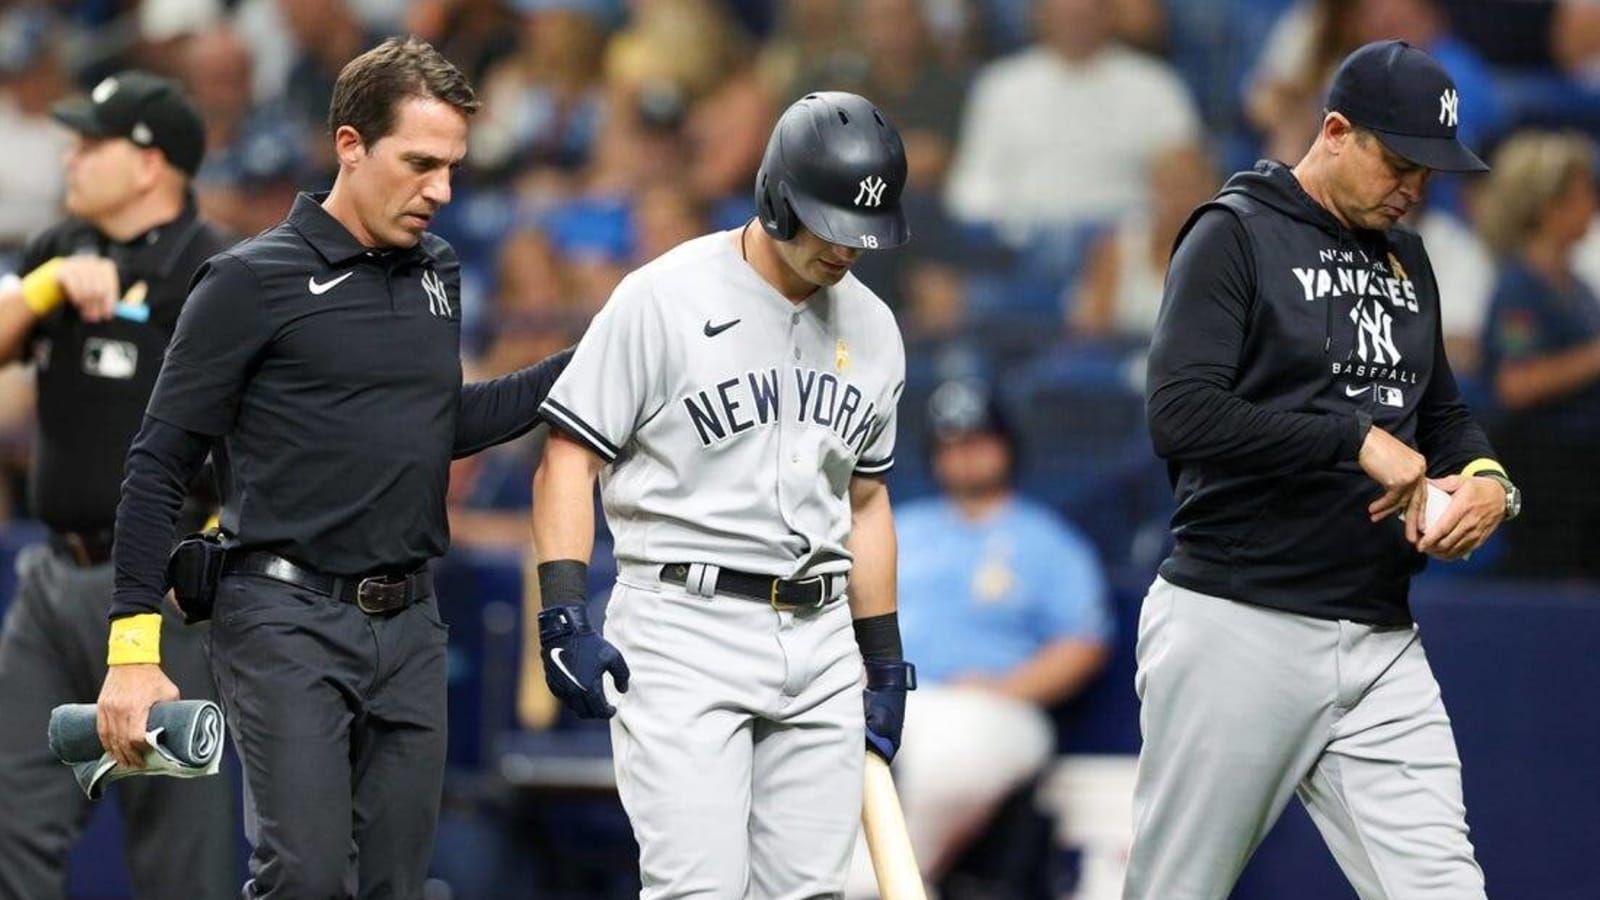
(1243, 706)
(339, 720)
(180, 833)
(738, 746)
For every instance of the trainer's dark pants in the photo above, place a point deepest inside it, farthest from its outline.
(180, 832)
(339, 720)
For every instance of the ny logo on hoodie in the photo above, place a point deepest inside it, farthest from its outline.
(1375, 333)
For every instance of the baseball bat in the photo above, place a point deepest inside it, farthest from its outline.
(893, 861)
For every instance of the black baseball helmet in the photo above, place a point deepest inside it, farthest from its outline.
(836, 165)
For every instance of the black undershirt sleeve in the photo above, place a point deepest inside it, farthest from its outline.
(493, 412)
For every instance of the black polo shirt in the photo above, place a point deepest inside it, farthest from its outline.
(94, 378)
(332, 375)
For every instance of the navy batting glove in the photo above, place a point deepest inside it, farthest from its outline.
(575, 657)
(885, 702)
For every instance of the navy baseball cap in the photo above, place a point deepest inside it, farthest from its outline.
(146, 109)
(962, 407)
(1405, 97)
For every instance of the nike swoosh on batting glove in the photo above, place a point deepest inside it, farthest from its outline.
(885, 702)
(575, 657)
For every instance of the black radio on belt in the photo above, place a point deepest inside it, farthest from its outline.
(193, 570)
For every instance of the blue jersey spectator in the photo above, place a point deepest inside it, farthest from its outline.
(985, 595)
(1532, 317)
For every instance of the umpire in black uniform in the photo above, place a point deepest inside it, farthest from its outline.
(96, 305)
(322, 358)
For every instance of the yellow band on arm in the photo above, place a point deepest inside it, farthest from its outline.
(134, 639)
(1483, 464)
(40, 289)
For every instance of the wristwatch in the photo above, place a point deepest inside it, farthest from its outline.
(1513, 496)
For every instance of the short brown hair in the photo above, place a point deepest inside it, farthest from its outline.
(371, 86)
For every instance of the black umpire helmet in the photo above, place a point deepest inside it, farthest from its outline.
(837, 166)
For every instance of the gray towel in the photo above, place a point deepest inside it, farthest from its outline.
(185, 738)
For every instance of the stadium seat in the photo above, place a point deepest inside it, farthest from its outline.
(1028, 289)
(1085, 447)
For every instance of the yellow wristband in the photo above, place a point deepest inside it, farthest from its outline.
(1483, 464)
(41, 290)
(135, 639)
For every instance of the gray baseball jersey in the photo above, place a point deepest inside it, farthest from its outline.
(732, 418)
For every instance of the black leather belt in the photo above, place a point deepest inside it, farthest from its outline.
(84, 548)
(374, 594)
(782, 593)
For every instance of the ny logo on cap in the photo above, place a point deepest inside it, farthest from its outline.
(870, 193)
(1448, 103)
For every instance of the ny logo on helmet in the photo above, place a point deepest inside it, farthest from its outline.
(1448, 103)
(870, 193)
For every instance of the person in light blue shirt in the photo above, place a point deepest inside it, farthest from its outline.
(1006, 612)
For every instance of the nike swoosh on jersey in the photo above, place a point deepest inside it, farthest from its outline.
(1356, 392)
(326, 286)
(555, 657)
(714, 330)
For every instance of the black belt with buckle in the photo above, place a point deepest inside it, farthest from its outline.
(782, 593)
(373, 594)
(85, 548)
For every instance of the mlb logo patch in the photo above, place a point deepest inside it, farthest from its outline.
(110, 359)
(1391, 396)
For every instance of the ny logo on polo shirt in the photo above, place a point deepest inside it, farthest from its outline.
(438, 301)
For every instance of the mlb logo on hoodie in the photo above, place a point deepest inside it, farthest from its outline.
(1391, 396)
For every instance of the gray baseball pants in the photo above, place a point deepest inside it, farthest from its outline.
(1243, 706)
(738, 746)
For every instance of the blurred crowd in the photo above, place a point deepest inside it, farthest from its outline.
(1055, 148)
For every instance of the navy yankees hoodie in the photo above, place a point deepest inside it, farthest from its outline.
(1282, 337)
